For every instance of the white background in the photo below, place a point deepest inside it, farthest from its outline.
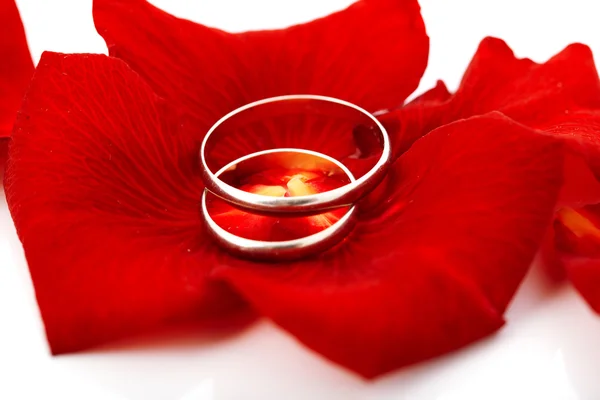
(550, 348)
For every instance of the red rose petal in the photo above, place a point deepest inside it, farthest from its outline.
(584, 273)
(16, 66)
(575, 247)
(372, 54)
(437, 94)
(496, 80)
(581, 130)
(581, 186)
(436, 267)
(104, 193)
(15, 71)
(560, 96)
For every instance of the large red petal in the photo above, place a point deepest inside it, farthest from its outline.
(560, 96)
(496, 80)
(16, 68)
(436, 266)
(372, 54)
(104, 192)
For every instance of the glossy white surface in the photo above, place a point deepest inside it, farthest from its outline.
(550, 348)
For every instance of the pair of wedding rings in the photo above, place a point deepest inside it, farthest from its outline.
(294, 107)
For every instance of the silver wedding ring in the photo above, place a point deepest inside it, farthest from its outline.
(311, 204)
(279, 250)
(345, 195)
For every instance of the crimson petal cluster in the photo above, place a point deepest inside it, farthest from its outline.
(103, 183)
(560, 98)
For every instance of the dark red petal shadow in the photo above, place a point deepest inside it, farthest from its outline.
(16, 68)
(103, 190)
(372, 54)
(436, 268)
(530, 93)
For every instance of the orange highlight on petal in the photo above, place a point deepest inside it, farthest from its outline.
(577, 223)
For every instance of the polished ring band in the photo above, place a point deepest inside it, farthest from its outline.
(282, 105)
(280, 250)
